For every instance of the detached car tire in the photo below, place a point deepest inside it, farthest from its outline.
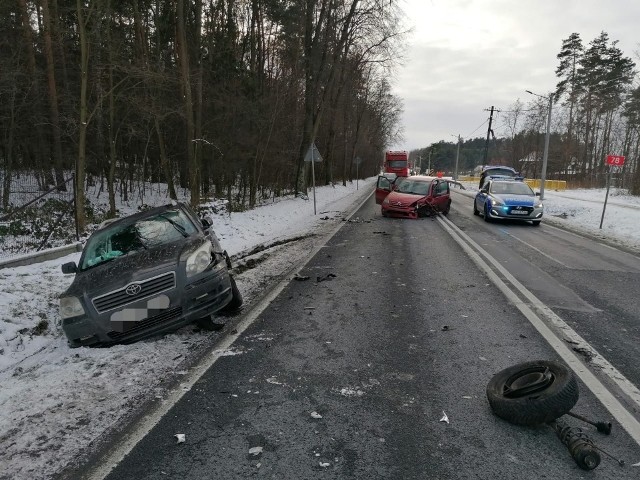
(532, 393)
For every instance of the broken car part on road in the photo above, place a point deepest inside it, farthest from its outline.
(540, 392)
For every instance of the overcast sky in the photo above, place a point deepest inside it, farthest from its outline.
(466, 55)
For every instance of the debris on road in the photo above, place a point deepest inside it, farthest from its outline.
(444, 418)
(181, 437)
(255, 451)
(327, 277)
(315, 415)
(585, 352)
(300, 278)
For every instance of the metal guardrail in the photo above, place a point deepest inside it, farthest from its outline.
(41, 256)
(560, 185)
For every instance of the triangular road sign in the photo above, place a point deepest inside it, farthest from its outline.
(313, 153)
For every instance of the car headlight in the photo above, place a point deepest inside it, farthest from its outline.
(496, 202)
(70, 307)
(385, 201)
(199, 260)
(538, 205)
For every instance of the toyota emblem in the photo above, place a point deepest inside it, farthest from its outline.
(133, 289)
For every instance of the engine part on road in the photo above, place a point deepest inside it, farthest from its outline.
(603, 427)
(580, 446)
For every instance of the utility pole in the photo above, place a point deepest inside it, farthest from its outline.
(489, 132)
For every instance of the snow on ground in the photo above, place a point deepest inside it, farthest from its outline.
(581, 210)
(56, 403)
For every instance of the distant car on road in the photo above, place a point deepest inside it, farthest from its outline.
(145, 274)
(502, 198)
(413, 197)
(497, 170)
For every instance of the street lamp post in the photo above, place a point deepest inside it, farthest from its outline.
(545, 155)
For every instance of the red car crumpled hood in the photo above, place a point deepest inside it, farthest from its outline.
(404, 198)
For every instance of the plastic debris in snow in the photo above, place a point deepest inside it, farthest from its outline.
(181, 437)
(315, 415)
(325, 464)
(444, 418)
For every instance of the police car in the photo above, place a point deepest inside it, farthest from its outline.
(508, 198)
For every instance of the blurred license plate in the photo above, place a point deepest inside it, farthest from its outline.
(519, 212)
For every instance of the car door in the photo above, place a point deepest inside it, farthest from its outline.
(440, 195)
(383, 188)
(481, 197)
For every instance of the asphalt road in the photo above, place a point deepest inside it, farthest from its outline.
(350, 373)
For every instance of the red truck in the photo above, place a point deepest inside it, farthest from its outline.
(397, 162)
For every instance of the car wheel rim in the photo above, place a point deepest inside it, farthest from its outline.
(528, 381)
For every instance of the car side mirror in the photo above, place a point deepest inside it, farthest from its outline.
(537, 194)
(483, 190)
(69, 267)
(206, 222)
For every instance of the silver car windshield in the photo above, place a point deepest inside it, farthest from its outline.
(513, 188)
(118, 240)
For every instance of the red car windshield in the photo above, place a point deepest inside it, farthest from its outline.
(413, 187)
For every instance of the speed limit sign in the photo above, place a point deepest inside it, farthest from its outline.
(615, 160)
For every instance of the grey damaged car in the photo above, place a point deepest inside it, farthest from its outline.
(146, 274)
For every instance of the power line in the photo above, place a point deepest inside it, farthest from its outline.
(469, 136)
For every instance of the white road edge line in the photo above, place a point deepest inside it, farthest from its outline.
(534, 248)
(615, 407)
(145, 424)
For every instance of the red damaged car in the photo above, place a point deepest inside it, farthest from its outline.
(413, 197)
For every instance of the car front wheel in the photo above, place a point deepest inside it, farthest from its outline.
(475, 210)
(536, 223)
(487, 218)
(236, 299)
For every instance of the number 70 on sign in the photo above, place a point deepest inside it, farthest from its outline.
(616, 160)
